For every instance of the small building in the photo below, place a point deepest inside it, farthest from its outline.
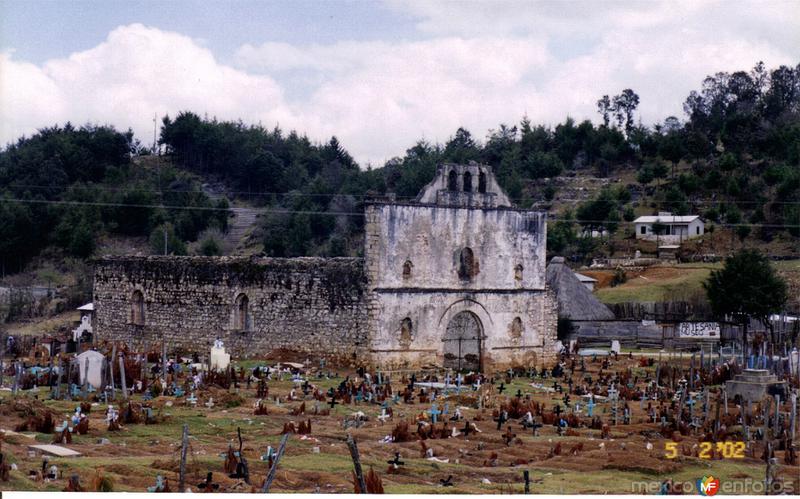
(588, 282)
(668, 228)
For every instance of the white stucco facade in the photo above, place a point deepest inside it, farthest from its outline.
(676, 228)
(458, 279)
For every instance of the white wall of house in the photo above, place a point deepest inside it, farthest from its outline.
(673, 232)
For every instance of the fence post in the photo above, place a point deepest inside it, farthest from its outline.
(351, 443)
(184, 448)
(274, 469)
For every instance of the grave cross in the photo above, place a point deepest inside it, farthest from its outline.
(333, 401)
(519, 393)
(396, 461)
(501, 419)
(590, 407)
(434, 412)
(502, 388)
(467, 429)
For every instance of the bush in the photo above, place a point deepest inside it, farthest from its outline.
(210, 244)
(620, 277)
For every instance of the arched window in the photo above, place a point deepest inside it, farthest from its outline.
(137, 308)
(467, 265)
(407, 267)
(518, 273)
(406, 332)
(452, 181)
(482, 183)
(516, 329)
(467, 182)
(241, 313)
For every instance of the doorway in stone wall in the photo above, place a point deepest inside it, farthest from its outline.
(462, 342)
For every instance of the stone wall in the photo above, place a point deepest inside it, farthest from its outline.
(506, 294)
(309, 305)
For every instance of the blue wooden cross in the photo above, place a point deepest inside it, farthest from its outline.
(159, 486)
(690, 402)
(192, 399)
(434, 412)
(446, 409)
(590, 407)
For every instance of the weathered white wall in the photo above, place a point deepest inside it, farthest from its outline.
(430, 314)
(431, 237)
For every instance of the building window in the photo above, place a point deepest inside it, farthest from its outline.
(698, 230)
(407, 267)
(467, 182)
(518, 273)
(406, 333)
(644, 229)
(241, 313)
(482, 183)
(137, 308)
(467, 265)
(452, 181)
(515, 329)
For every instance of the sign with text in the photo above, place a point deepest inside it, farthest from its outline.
(699, 330)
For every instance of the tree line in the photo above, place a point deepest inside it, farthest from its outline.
(738, 145)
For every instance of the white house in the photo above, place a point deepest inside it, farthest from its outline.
(675, 228)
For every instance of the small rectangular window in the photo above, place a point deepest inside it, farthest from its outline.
(698, 230)
(644, 229)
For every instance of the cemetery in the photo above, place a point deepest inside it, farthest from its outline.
(594, 421)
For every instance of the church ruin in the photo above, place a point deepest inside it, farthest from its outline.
(455, 279)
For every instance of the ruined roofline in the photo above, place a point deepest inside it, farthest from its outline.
(388, 202)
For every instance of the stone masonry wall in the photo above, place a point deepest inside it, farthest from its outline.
(312, 305)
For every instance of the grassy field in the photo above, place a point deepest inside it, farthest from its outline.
(676, 282)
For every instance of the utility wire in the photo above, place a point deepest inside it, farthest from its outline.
(318, 212)
(366, 196)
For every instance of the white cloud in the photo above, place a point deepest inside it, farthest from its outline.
(477, 64)
(135, 73)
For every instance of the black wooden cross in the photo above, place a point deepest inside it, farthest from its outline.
(502, 388)
(396, 461)
(467, 429)
(557, 410)
(333, 401)
(519, 393)
(501, 419)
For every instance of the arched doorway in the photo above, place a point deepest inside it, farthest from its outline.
(462, 342)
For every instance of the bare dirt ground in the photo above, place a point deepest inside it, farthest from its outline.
(580, 463)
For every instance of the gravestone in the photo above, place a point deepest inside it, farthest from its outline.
(90, 365)
(615, 346)
(220, 359)
(752, 384)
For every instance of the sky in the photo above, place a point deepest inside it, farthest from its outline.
(379, 75)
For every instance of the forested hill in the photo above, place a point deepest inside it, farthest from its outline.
(734, 158)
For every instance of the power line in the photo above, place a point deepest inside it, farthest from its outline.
(318, 212)
(367, 196)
